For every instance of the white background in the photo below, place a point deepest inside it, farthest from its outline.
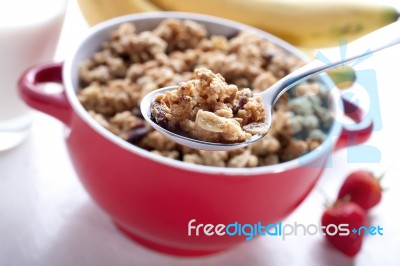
(46, 217)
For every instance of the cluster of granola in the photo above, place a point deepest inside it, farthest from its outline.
(131, 64)
(208, 109)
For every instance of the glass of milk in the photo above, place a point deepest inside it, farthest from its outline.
(29, 31)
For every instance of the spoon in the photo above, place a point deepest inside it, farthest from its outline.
(366, 45)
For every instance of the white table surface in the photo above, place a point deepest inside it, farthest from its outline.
(47, 218)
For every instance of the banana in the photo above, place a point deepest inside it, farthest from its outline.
(343, 76)
(307, 23)
(96, 11)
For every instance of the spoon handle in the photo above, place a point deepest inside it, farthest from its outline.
(364, 46)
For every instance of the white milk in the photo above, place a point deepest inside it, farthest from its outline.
(29, 31)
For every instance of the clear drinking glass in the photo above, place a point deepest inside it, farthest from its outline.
(29, 32)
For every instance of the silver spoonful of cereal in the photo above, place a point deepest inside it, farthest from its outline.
(206, 113)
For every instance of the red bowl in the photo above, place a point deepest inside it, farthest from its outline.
(151, 198)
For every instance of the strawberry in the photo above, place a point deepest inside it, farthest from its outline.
(340, 214)
(363, 188)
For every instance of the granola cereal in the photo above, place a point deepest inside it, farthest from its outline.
(207, 108)
(130, 64)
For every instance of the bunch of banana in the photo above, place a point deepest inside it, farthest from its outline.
(306, 23)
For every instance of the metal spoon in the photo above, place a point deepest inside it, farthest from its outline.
(368, 44)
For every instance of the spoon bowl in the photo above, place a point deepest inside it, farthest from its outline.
(192, 143)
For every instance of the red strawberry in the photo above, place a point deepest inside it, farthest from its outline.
(336, 217)
(363, 188)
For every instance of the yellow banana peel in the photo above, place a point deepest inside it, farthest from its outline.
(306, 23)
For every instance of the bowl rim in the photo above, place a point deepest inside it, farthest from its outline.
(335, 106)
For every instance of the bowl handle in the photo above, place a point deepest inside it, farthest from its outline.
(54, 104)
(357, 133)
